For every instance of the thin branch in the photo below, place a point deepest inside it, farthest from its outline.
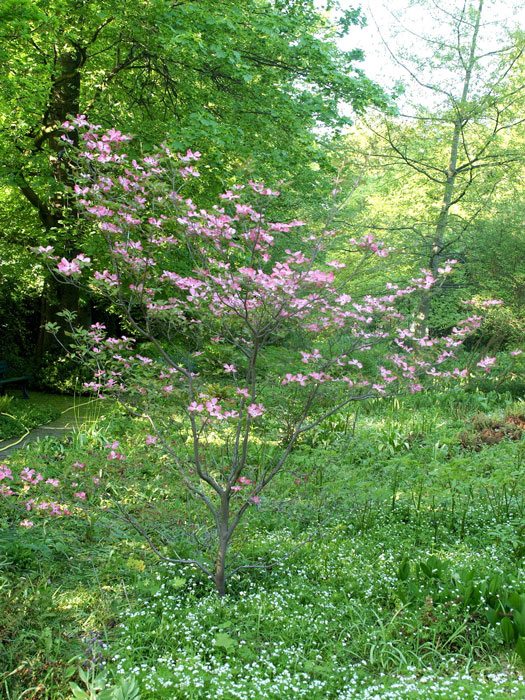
(126, 517)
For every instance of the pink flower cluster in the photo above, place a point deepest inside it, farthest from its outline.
(31, 481)
(486, 363)
(369, 242)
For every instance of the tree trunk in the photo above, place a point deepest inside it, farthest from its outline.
(224, 540)
(423, 314)
(63, 101)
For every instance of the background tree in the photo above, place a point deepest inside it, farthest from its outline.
(245, 81)
(452, 154)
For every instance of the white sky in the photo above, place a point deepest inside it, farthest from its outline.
(429, 21)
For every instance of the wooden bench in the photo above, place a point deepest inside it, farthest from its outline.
(22, 381)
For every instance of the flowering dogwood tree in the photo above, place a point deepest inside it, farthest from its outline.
(172, 269)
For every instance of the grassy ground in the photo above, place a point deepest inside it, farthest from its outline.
(18, 415)
(413, 556)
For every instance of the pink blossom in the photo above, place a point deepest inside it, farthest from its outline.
(214, 409)
(337, 265)
(68, 268)
(256, 409)
(80, 121)
(256, 499)
(229, 195)
(151, 439)
(261, 189)
(30, 476)
(82, 259)
(5, 472)
(243, 392)
(190, 155)
(244, 481)
(47, 250)
(514, 353)
(415, 387)
(188, 171)
(194, 406)
(319, 278)
(81, 495)
(144, 360)
(116, 136)
(155, 222)
(26, 523)
(230, 369)
(115, 455)
(486, 363)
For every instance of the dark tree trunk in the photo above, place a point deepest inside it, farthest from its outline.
(63, 101)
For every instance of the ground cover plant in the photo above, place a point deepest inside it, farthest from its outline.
(377, 604)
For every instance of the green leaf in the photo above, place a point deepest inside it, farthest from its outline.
(403, 571)
(520, 648)
(507, 630)
(128, 689)
(517, 601)
(469, 590)
(495, 584)
(425, 569)
(224, 640)
(491, 615)
(78, 693)
(519, 622)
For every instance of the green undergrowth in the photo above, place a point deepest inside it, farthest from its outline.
(410, 581)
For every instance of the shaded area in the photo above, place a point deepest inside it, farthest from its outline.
(75, 411)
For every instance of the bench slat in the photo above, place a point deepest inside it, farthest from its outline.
(22, 380)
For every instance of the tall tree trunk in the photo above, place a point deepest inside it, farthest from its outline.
(423, 315)
(63, 101)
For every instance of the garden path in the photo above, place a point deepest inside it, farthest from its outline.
(76, 411)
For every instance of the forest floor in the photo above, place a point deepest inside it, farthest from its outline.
(409, 584)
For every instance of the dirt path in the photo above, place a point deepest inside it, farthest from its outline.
(75, 412)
